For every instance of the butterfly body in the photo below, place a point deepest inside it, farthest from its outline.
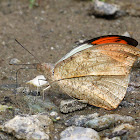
(98, 74)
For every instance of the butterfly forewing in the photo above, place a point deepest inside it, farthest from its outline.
(99, 60)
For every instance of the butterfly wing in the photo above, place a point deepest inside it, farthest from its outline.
(101, 40)
(98, 74)
(104, 59)
(101, 91)
(112, 39)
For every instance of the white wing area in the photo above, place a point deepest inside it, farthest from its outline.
(74, 51)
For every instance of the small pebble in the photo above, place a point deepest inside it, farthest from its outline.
(126, 34)
(55, 115)
(14, 61)
(106, 10)
(71, 105)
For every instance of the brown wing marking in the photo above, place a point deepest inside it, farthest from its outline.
(100, 91)
(107, 59)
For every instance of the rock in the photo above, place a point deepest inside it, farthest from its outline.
(79, 133)
(106, 121)
(100, 123)
(71, 105)
(29, 127)
(106, 10)
(126, 104)
(14, 61)
(80, 120)
(54, 116)
(126, 34)
(118, 133)
(119, 118)
(121, 130)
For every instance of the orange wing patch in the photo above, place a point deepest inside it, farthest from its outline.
(113, 39)
(109, 40)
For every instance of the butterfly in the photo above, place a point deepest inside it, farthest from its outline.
(96, 71)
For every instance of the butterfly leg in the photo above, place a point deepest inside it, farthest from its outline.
(45, 89)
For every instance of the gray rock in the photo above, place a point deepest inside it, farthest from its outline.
(100, 123)
(102, 9)
(126, 34)
(126, 104)
(79, 133)
(54, 116)
(80, 120)
(14, 61)
(71, 105)
(106, 121)
(121, 130)
(118, 133)
(29, 127)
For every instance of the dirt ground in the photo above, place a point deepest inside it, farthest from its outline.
(51, 30)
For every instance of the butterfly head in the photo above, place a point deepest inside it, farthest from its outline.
(47, 70)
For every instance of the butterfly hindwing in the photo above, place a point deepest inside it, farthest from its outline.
(101, 91)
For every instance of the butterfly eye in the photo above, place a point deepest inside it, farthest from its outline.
(53, 72)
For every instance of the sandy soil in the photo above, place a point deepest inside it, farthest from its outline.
(50, 31)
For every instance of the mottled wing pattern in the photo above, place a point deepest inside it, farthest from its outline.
(101, 91)
(99, 74)
(106, 59)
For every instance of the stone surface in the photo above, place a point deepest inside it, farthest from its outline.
(14, 61)
(106, 121)
(71, 105)
(103, 9)
(79, 133)
(29, 127)
(80, 120)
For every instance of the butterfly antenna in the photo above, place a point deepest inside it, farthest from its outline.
(28, 51)
(17, 74)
